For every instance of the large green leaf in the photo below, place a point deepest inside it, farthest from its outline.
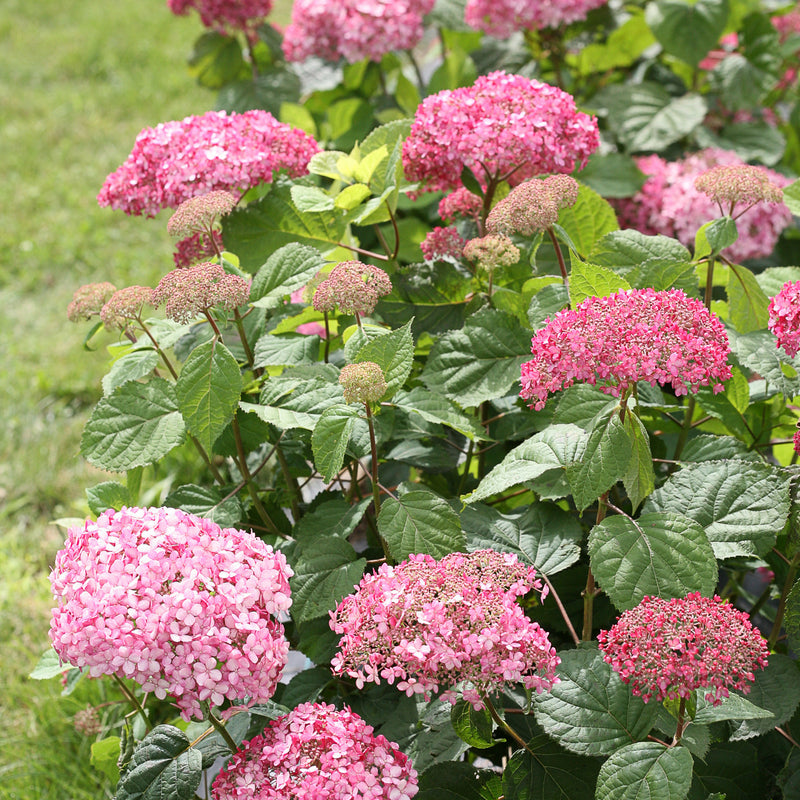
(108, 494)
(646, 769)
(436, 741)
(208, 391)
(588, 220)
(751, 141)
(665, 555)
(210, 503)
(732, 707)
(330, 437)
(394, 354)
(437, 409)
(591, 711)
(741, 505)
(626, 249)
(288, 349)
(132, 366)
(474, 727)
(283, 418)
(747, 303)
(457, 780)
(757, 352)
(639, 480)
(136, 426)
(791, 619)
(687, 30)
(590, 280)
(581, 404)
(730, 768)
(289, 268)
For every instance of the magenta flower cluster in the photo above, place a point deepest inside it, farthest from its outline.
(174, 602)
(635, 335)
(460, 203)
(501, 18)
(665, 649)
(452, 624)
(670, 204)
(178, 160)
(353, 29)
(442, 243)
(225, 16)
(784, 317)
(317, 753)
(503, 127)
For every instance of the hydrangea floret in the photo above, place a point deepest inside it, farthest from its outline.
(504, 127)
(363, 382)
(452, 625)
(225, 16)
(174, 602)
(460, 203)
(501, 18)
(491, 251)
(442, 243)
(178, 160)
(784, 317)
(317, 752)
(88, 300)
(533, 206)
(634, 335)
(126, 305)
(354, 287)
(666, 649)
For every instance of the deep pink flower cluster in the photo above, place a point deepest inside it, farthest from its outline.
(451, 624)
(178, 160)
(635, 335)
(196, 248)
(784, 317)
(668, 648)
(442, 243)
(317, 753)
(460, 203)
(353, 29)
(670, 204)
(89, 299)
(225, 16)
(501, 18)
(173, 602)
(354, 287)
(503, 127)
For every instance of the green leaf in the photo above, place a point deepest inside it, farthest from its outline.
(306, 686)
(639, 481)
(288, 349)
(715, 236)
(591, 711)
(283, 418)
(474, 727)
(216, 60)
(286, 270)
(612, 174)
(581, 404)
(589, 280)
(439, 410)
(628, 249)
(546, 303)
(791, 197)
(108, 494)
(457, 780)
(747, 304)
(716, 448)
(732, 707)
(332, 517)
(771, 280)
(394, 354)
(456, 70)
(268, 90)
(130, 367)
(665, 555)
(311, 198)
(646, 769)
(757, 352)
(436, 741)
(480, 362)
(330, 437)
(163, 766)
(325, 572)
(731, 768)
(588, 220)
(136, 426)
(751, 141)
(420, 521)
(553, 448)
(687, 30)
(741, 505)
(104, 757)
(205, 502)
(208, 391)
(791, 619)
(49, 666)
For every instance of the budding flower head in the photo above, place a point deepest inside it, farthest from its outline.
(87, 721)
(126, 305)
(491, 251)
(88, 300)
(460, 203)
(198, 214)
(668, 648)
(192, 291)
(741, 184)
(352, 286)
(442, 243)
(533, 206)
(784, 317)
(363, 382)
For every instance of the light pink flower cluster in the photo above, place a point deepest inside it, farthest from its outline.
(200, 214)
(442, 243)
(503, 127)
(178, 160)
(317, 753)
(460, 203)
(635, 335)
(501, 18)
(737, 187)
(353, 29)
(491, 251)
(191, 291)
(668, 648)
(126, 305)
(88, 300)
(669, 203)
(784, 317)
(225, 15)
(362, 382)
(354, 287)
(451, 624)
(173, 602)
(533, 206)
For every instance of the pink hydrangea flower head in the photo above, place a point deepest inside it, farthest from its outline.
(362, 382)
(501, 18)
(670, 204)
(460, 203)
(191, 291)
(441, 243)
(178, 160)
(451, 624)
(784, 317)
(126, 305)
(504, 127)
(87, 721)
(738, 184)
(225, 16)
(316, 752)
(174, 602)
(353, 29)
(491, 251)
(533, 206)
(354, 287)
(88, 300)
(199, 214)
(198, 247)
(635, 335)
(665, 649)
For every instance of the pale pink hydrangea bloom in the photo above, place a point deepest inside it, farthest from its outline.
(126, 305)
(442, 243)
(665, 649)
(501, 18)
(196, 248)
(354, 287)
(363, 382)
(784, 317)
(175, 603)
(533, 206)
(489, 252)
(353, 29)
(88, 300)
(181, 159)
(316, 752)
(225, 16)
(460, 203)
(737, 187)
(200, 214)
(635, 335)
(503, 127)
(452, 624)
(669, 203)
